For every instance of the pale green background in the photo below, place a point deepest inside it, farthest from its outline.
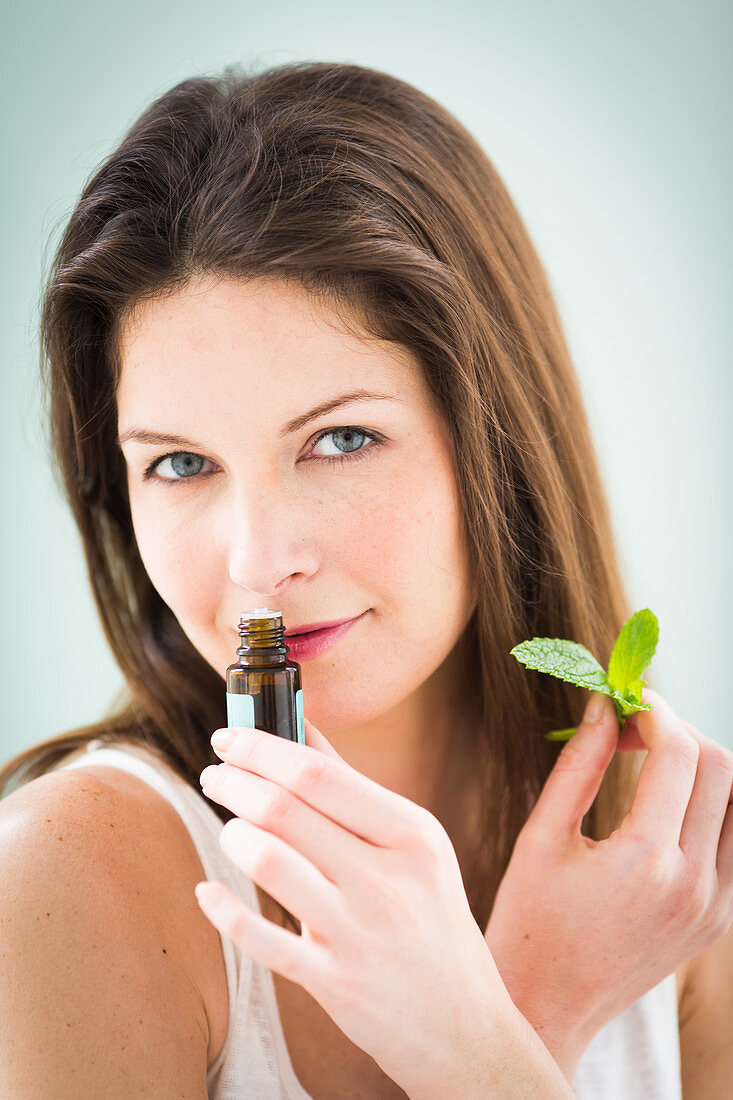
(610, 125)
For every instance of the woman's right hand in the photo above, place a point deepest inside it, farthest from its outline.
(580, 929)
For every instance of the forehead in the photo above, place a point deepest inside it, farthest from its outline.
(257, 338)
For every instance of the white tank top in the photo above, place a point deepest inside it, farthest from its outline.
(634, 1057)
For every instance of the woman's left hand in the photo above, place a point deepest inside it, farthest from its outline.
(582, 928)
(389, 946)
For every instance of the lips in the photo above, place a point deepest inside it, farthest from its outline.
(309, 644)
(312, 628)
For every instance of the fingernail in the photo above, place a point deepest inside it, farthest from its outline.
(596, 708)
(222, 739)
(209, 774)
(209, 893)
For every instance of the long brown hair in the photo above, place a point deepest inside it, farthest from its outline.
(362, 189)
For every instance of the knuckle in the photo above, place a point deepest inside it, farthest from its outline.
(314, 770)
(720, 757)
(657, 869)
(692, 897)
(238, 928)
(276, 806)
(685, 745)
(432, 834)
(572, 758)
(264, 860)
(258, 753)
(423, 834)
(721, 922)
(533, 838)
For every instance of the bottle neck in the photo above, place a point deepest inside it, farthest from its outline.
(260, 656)
(261, 642)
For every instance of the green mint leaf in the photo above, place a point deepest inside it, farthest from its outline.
(633, 691)
(572, 662)
(567, 660)
(632, 653)
(630, 707)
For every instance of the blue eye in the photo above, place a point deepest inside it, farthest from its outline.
(188, 464)
(185, 463)
(351, 438)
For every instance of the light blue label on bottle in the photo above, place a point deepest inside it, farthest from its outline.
(240, 710)
(299, 716)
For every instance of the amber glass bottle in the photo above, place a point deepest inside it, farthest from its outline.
(263, 686)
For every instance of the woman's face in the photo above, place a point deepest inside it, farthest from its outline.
(242, 513)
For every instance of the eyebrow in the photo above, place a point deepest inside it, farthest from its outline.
(142, 435)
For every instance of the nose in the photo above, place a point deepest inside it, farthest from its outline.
(267, 541)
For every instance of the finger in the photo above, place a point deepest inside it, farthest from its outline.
(578, 773)
(335, 851)
(629, 740)
(316, 740)
(667, 775)
(724, 865)
(284, 874)
(276, 948)
(709, 802)
(330, 786)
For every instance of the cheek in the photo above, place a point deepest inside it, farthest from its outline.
(409, 553)
(177, 555)
(411, 534)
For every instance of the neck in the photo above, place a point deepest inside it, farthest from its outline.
(424, 749)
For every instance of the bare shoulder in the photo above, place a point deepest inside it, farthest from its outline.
(104, 938)
(706, 1022)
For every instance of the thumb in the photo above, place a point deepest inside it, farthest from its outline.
(316, 740)
(578, 773)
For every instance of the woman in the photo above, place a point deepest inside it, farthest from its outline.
(410, 891)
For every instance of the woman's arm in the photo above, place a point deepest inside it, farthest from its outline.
(510, 1061)
(95, 989)
(706, 1023)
